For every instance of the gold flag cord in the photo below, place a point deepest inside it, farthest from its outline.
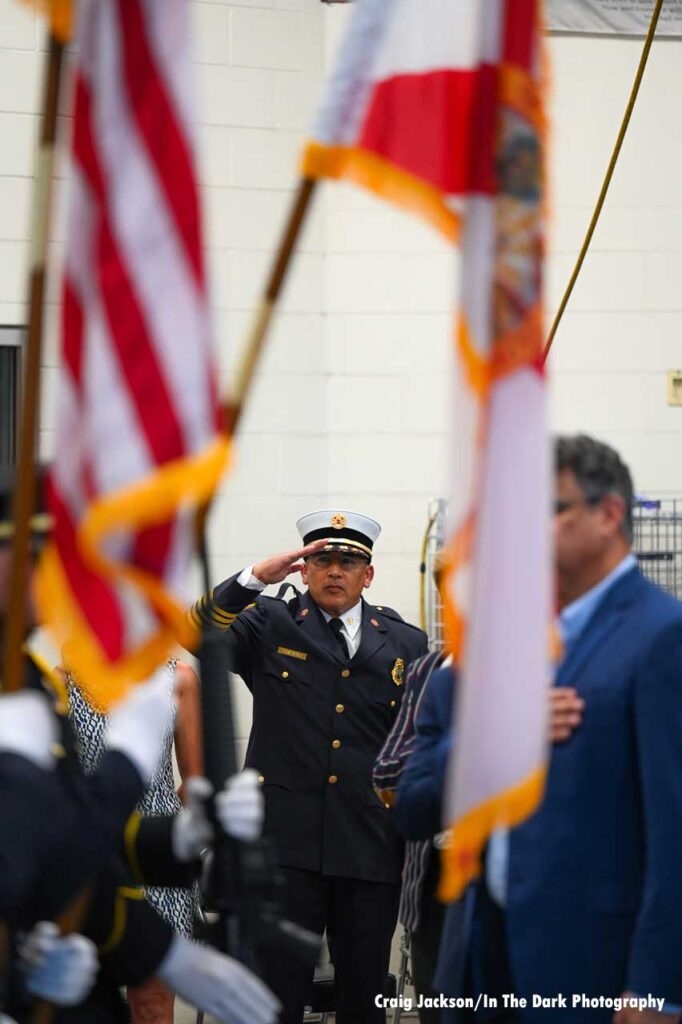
(263, 316)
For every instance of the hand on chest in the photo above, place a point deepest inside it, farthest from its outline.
(601, 665)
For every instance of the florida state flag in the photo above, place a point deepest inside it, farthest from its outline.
(437, 105)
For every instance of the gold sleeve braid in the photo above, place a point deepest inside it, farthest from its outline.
(207, 613)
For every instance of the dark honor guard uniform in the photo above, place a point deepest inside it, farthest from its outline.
(64, 832)
(326, 672)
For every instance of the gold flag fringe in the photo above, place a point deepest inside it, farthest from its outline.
(59, 14)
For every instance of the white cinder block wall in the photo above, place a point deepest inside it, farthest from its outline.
(20, 68)
(350, 408)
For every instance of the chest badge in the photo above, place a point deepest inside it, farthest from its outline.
(398, 672)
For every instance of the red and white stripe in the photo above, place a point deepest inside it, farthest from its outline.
(137, 390)
(408, 67)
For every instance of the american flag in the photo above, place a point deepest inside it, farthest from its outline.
(137, 427)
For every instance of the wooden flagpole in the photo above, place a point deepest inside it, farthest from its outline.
(25, 489)
(233, 407)
(263, 317)
(24, 494)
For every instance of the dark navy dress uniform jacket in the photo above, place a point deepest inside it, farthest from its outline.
(63, 830)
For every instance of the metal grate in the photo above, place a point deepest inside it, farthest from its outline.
(657, 541)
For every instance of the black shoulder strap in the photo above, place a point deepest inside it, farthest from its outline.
(279, 596)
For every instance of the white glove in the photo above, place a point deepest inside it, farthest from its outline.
(191, 831)
(217, 984)
(138, 725)
(240, 806)
(28, 727)
(239, 809)
(60, 968)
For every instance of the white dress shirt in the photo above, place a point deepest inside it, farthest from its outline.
(352, 626)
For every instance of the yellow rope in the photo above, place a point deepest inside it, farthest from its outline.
(422, 574)
(609, 174)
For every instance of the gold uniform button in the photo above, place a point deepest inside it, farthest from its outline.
(332, 780)
(261, 779)
(393, 703)
(285, 675)
(345, 673)
(339, 708)
(336, 744)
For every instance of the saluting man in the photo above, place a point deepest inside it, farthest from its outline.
(326, 672)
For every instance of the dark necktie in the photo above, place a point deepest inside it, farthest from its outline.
(336, 625)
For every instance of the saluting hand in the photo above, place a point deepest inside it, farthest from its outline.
(565, 712)
(277, 568)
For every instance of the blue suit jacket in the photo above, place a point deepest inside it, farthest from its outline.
(594, 901)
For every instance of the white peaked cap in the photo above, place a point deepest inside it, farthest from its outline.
(343, 530)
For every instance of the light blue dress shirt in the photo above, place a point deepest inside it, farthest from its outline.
(573, 619)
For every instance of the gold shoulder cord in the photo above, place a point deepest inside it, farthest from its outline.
(118, 929)
(130, 842)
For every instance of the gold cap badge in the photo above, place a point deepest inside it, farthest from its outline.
(398, 672)
(338, 521)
